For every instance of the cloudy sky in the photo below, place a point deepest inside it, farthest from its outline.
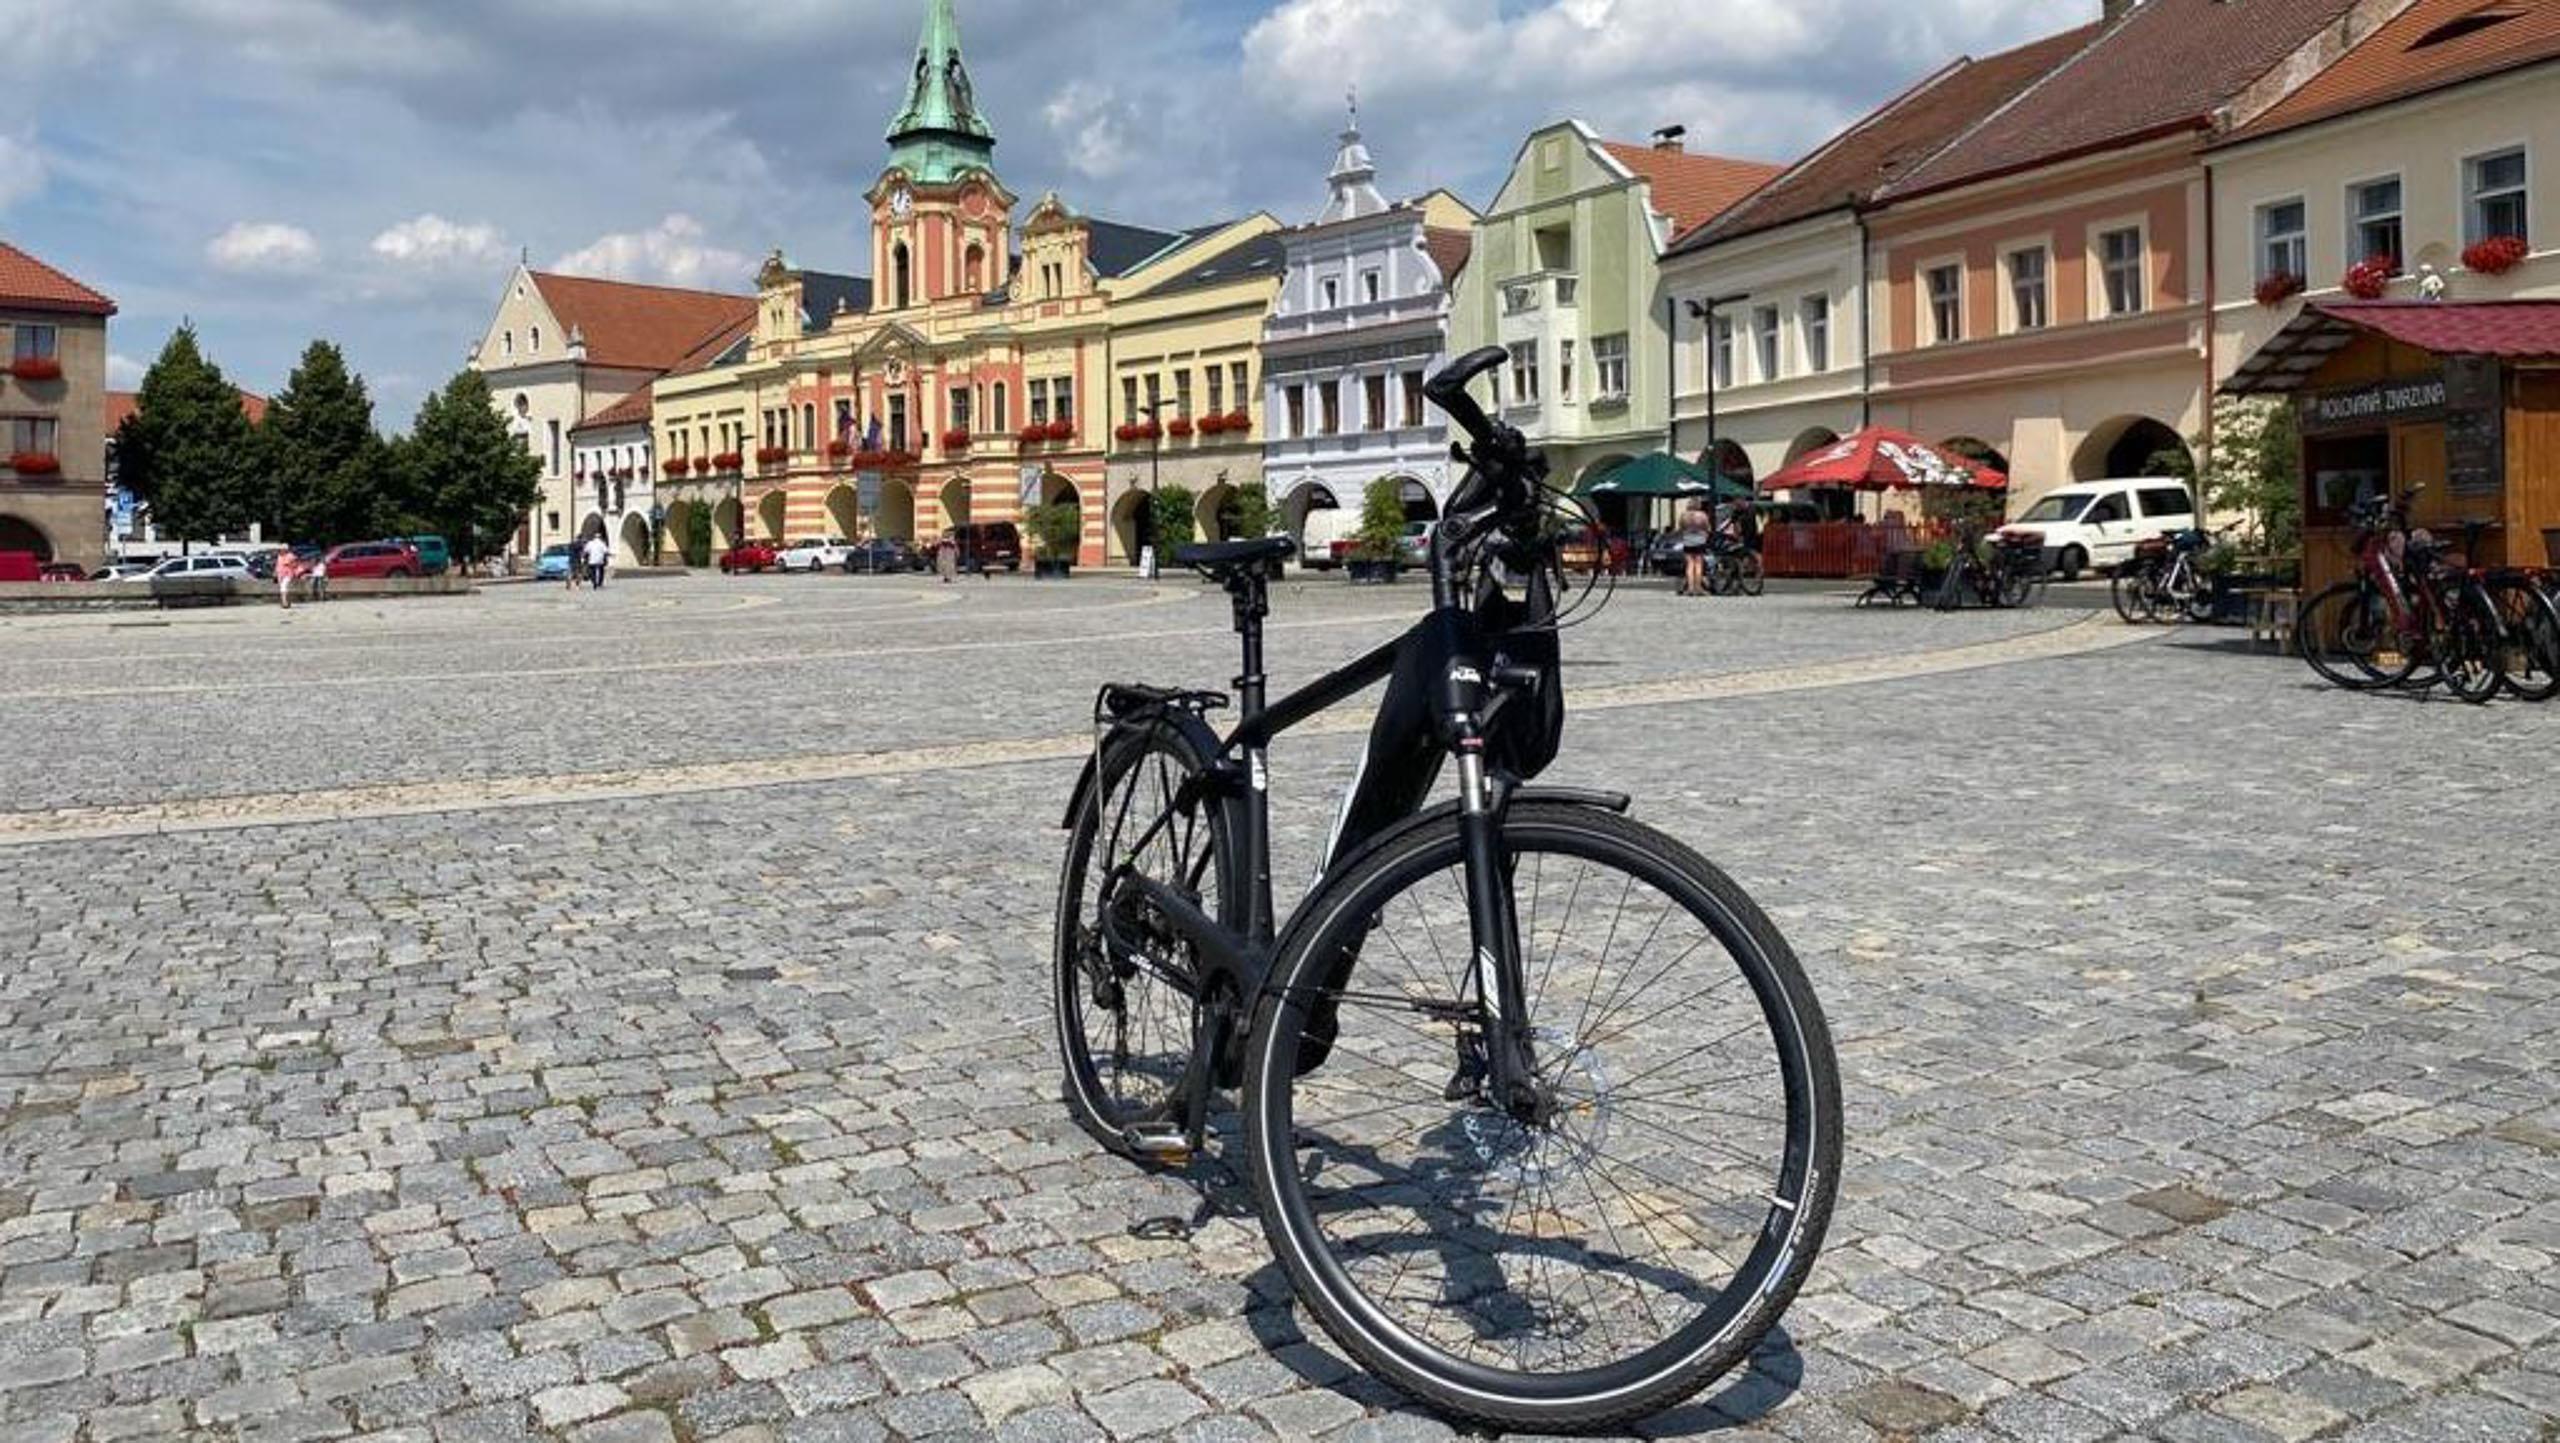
(366, 170)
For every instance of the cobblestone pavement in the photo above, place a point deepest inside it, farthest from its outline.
(2197, 1027)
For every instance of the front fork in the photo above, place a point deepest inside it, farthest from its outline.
(1502, 989)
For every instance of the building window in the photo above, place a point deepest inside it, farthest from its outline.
(1295, 398)
(1813, 317)
(1413, 398)
(2120, 264)
(507, 342)
(2373, 220)
(2284, 239)
(959, 408)
(1764, 337)
(1371, 286)
(1329, 399)
(1129, 400)
(1039, 403)
(533, 340)
(1524, 373)
(844, 421)
(34, 343)
(808, 427)
(1155, 396)
(1609, 367)
(1373, 399)
(974, 267)
(1564, 369)
(902, 273)
(996, 421)
(1720, 361)
(1217, 392)
(898, 421)
(1066, 391)
(1332, 289)
(38, 435)
(2494, 194)
(555, 447)
(1237, 378)
(1182, 391)
(1946, 304)
(2030, 305)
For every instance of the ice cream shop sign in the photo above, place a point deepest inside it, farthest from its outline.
(2375, 403)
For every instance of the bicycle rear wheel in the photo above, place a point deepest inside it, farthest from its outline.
(1638, 1240)
(2124, 590)
(2529, 656)
(1126, 1016)
(2466, 645)
(1749, 575)
(2345, 633)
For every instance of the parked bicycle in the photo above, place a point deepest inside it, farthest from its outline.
(2165, 580)
(2005, 570)
(2415, 613)
(1734, 568)
(1540, 1112)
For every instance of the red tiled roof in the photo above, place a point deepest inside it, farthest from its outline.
(2168, 65)
(2509, 330)
(28, 284)
(122, 404)
(631, 410)
(649, 328)
(1899, 135)
(1448, 250)
(1690, 189)
(2430, 45)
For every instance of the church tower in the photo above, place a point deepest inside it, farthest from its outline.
(1354, 179)
(940, 220)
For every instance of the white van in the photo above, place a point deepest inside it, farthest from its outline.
(2097, 523)
(1325, 527)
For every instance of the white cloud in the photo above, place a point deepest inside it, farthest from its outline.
(268, 247)
(1092, 129)
(22, 169)
(430, 241)
(673, 252)
(124, 373)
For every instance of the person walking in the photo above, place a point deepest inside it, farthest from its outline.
(946, 557)
(598, 556)
(288, 571)
(1696, 528)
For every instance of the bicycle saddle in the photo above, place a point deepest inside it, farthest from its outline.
(1215, 555)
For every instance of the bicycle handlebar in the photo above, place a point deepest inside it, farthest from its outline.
(1448, 391)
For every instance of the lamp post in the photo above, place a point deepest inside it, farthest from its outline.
(1147, 556)
(1705, 311)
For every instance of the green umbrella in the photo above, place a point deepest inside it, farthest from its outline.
(1662, 474)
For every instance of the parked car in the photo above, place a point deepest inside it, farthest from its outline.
(554, 562)
(814, 555)
(2098, 523)
(370, 560)
(1415, 545)
(749, 556)
(120, 571)
(989, 544)
(197, 568)
(62, 571)
(435, 558)
(874, 554)
(1320, 540)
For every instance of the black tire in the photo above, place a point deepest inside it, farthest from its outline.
(2124, 590)
(2071, 563)
(1313, 1044)
(2467, 644)
(2345, 633)
(1750, 575)
(1142, 1078)
(2529, 658)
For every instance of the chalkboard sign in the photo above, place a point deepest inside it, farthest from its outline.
(2475, 429)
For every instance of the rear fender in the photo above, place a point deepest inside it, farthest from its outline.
(1187, 724)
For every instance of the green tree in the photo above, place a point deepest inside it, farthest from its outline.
(2256, 469)
(1381, 534)
(466, 476)
(187, 451)
(327, 470)
(1176, 512)
(1248, 512)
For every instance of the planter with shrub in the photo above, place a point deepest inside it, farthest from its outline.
(1377, 550)
(1057, 534)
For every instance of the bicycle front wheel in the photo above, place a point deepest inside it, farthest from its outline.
(2346, 634)
(1749, 574)
(1636, 1240)
(2529, 629)
(2124, 589)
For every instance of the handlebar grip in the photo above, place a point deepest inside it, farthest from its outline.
(1448, 390)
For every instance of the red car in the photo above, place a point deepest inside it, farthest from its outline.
(365, 560)
(63, 571)
(750, 556)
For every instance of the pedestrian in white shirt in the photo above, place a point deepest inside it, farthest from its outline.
(598, 553)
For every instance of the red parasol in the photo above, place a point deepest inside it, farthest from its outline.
(1880, 458)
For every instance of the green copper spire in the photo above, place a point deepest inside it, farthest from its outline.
(940, 133)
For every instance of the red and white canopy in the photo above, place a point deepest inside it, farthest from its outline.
(1880, 458)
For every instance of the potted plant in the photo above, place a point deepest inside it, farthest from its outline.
(2278, 288)
(2369, 278)
(36, 368)
(1377, 549)
(1936, 559)
(1057, 530)
(2496, 255)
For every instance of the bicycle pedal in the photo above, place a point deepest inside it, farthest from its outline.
(1170, 1145)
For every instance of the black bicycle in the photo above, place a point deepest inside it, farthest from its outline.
(1540, 1112)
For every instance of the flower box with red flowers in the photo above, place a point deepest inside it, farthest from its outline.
(701, 465)
(839, 450)
(956, 439)
(1032, 435)
(2278, 288)
(1213, 424)
(677, 468)
(2369, 278)
(1062, 430)
(36, 463)
(36, 368)
(1239, 419)
(772, 455)
(2495, 256)
(1180, 428)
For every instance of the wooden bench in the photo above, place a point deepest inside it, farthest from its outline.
(2271, 618)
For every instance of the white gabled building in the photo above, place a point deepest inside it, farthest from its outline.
(1362, 318)
(613, 479)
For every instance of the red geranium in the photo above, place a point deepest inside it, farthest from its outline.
(956, 439)
(1239, 419)
(2495, 256)
(2279, 287)
(36, 463)
(1062, 430)
(2369, 278)
(36, 368)
(675, 468)
(701, 465)
(1180, 428)
(838, 450)
(1213, 423)
(1032, 435)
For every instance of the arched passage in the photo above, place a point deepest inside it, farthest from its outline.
(896, 516)
(1123, 540)
(726, 531)
(771, 512)
(19, 534)
(1419, 503)
(955, 502)
(1727, 458)
(594, 525)
(843, 513)
(676, 528)
(1978, 451)
(1057, 490)
(634, 550)
(1810, 440)
(1301, 501)
(1206, 511)
(2131, 446)
(1620, 514)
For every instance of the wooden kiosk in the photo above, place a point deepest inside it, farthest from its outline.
(2462, 398)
